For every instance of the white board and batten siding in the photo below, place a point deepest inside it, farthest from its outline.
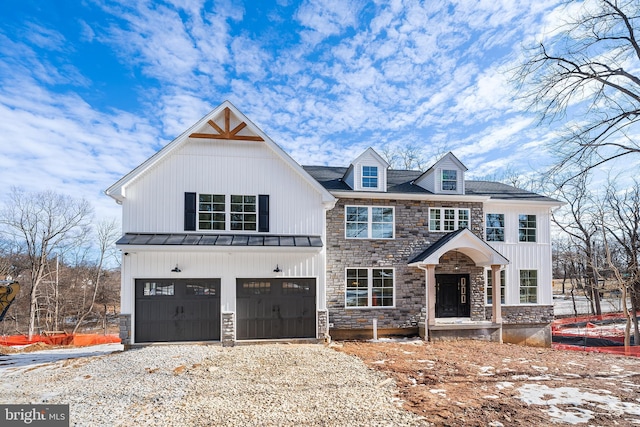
(525, 255)
(220, 264)
(155, 201)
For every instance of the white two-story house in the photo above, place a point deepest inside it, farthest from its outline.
(227, 238)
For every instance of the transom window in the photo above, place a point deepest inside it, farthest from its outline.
(527, 228)
(528, 286)
(449, 180)
(369, 287)
(369, 222)
(213, 212)
(489, 287)
(448, 219)
(154, 288)
(495, 227)
(369, 176)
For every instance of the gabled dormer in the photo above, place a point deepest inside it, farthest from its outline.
(446, 176)
(368, 172)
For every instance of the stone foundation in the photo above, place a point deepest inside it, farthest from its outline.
(323, 325)
(125, 329)
(228, 329)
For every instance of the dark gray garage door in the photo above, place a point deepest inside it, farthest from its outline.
(177, 310)
(276, 308)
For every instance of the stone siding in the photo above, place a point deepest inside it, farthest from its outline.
(125, 329)
(412, 236)
(524, 314)
(323, 324)
(228, 328)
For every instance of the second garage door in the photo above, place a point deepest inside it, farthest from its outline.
(276, 308)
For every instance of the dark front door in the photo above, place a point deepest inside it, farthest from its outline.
(276, 308)
(452, 295)
(177, 310)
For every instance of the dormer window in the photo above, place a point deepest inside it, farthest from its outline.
(449, 180)
(369, 177)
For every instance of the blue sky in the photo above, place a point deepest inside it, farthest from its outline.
(90, 89)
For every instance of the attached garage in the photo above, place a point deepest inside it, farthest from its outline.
(276, 308)
(177, 310)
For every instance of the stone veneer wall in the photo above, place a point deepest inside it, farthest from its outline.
(412, 236)
(323, 324)
(524, 314)
(125, 329)
(228, 328)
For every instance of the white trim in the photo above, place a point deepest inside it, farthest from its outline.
(456, 218)
(370, 288)
(487, 276)
(409, 196)
(370, 222)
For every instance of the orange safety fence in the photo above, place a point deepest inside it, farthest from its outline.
(619, 350)
(60, 339)
(567, 321)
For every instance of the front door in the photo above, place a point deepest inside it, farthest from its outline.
(452, 295)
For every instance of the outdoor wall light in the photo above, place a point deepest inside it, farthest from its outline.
(277, 269)
(176, 269)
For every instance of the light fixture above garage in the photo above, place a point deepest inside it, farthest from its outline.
(176, 269)
(277, 269)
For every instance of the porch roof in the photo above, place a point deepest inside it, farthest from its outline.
(194, 239)
(464, 241)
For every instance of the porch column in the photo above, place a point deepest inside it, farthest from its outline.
(496, 311)
(431, 294)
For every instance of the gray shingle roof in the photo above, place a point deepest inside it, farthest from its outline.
(401, 182)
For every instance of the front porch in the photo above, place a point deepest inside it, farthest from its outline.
(455, 288)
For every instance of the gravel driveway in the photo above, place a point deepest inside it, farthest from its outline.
(197, 385)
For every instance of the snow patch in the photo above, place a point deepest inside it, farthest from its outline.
(537, 394)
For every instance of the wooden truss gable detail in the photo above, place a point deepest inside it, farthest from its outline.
(227, 133)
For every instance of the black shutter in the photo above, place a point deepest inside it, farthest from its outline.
(263, 213)
(189, 211)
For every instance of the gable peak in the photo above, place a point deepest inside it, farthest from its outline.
(220, 127)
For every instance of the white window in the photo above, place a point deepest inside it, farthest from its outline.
(369, 222)
(449, 180)
(489, 287)
(213, 212)
(528, 286)
(448, 219)
(243, 213)
(495, 228)
(369, 177)
(369, 287)
(527, 228)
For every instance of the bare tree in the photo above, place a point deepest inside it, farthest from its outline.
(587, 72)
(623, 225)
(107, 232)
(408, 157)
(43, 223)
(579, 220)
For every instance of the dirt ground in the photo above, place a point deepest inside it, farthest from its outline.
(476, 383)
